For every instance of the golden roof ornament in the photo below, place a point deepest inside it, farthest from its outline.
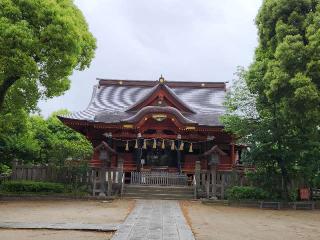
(161, 79)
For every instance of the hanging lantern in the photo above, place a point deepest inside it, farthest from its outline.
(127, 146)
(162, 145)
(190, 148)
(136, 145)
(181, 146)
(144, 144)
(172, 146)
(154, 146)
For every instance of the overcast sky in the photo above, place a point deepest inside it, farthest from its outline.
(185, 40)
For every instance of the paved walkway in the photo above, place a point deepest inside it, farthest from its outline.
(155, 220)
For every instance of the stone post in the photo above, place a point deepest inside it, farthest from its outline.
(104, 157)
(208, 184)
(214, 181)
(109, 183)
(223, 180)
(102, 175)
(197, 173)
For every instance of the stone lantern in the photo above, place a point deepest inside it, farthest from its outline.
(214, 156)
(105, 153)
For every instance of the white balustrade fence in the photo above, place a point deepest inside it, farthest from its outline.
(159, 178)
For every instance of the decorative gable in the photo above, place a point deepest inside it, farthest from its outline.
(161, 96)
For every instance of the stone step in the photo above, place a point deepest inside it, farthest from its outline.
(158, 192)
(156, 186)
(159, 196)
(159, 189)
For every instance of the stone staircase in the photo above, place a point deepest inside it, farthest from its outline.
(158, 192)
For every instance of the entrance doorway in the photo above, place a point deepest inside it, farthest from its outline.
(160, 158)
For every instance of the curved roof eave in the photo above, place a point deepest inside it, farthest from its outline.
(156, 109)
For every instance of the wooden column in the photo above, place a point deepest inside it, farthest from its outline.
(179, 156)
(233, 155)
(120, 169)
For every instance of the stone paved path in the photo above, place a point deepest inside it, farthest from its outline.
(155, 220)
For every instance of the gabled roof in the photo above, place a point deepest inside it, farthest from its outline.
(111, 100)
(154, 94)
(215, 149)
(104, 145)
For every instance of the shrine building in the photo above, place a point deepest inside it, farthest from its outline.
(157, 126)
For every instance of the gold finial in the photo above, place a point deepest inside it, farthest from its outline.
(161, 79)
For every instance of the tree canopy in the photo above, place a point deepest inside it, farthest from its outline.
(37, 140)
(284, 82)
(41, 43)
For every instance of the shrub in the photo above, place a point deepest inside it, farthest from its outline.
(316, 180)
(246, 193)
(31, 186)
(4, 169)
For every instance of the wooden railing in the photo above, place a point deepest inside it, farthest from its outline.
(159, 178)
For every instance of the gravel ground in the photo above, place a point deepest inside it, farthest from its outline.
(62, 212)
(52, 235)
(229, 223)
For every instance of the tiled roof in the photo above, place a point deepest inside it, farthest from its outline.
(110, 100)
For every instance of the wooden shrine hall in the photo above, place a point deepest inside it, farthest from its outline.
(157, 126)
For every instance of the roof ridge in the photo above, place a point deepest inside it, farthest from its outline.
(151, 83)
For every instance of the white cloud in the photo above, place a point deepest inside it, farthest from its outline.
(186, 40)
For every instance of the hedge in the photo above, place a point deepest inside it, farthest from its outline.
(246, 193)
(31, 186)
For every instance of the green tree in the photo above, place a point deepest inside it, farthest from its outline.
(41, 43)
(17, 138)
(65, 142)
(38, 140)
(284, 78)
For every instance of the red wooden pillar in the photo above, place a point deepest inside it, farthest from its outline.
(233, 154)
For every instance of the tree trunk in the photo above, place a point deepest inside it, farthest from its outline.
(4, 87)
(285, 178)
